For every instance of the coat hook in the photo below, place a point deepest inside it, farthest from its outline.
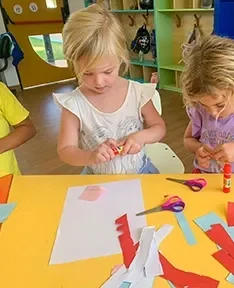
(196, 21)
(132, 23)
(146, 19)
(177, 21)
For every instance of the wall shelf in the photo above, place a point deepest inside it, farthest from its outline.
(131, 11)
(146, 63)
(187, 10)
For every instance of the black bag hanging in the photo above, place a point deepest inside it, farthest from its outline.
(146, 4)
(5, 51)
(141, 41)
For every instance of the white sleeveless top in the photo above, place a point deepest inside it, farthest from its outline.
(96, 126)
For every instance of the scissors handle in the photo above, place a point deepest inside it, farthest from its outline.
(196, 184)
(174, 204)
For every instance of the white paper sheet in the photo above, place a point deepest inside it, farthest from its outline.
(88, 230)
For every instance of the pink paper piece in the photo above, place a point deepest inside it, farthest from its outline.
(116, 268)
(92, 193)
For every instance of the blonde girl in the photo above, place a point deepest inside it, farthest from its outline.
(208, 91)
(106, 110)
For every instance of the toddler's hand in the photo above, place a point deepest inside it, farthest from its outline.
(224, 153)
(132, 144)
(103, 153)
(203, 156)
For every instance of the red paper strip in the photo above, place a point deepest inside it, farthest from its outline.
(126, 242)
(219, 235)
(225, 259)
(181, 278)
(230, 214)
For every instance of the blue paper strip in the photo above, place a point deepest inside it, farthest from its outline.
(230, 278)
(205, 222)
(6, 210)
(125, 285)
(184, 225)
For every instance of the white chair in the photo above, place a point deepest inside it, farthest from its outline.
(161, 154)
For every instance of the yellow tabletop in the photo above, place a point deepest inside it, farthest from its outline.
(27, 237)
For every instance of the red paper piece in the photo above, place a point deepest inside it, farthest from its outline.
(230, 214)
(219, 235)
(181, 278)
(126, 242)
(225, 259)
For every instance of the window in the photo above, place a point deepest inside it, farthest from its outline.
(51, 3)
(49, 48)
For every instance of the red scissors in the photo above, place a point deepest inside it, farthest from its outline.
(194, 184)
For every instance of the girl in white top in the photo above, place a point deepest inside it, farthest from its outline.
(106, 110)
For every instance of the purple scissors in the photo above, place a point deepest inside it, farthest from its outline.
(194, 184)
(174, 204)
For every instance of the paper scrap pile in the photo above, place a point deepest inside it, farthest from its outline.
(143, 262)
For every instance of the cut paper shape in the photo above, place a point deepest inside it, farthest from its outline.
(181, 278)
(6, 210)
(143, 264)
(136, 274)
(186, 229)
(230, 214)
(116, 268)
(75, 237)
(219, 236)
(205, 222)
(225, 259)
(92, 193)
(230, 278)
(126, 243)
(125, 285)
(5, 186)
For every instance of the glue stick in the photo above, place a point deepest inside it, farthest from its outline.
(117, 150)
(227, 175)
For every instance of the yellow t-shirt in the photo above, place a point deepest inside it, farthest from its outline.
(11, 113)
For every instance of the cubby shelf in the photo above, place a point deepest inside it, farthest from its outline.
(187, 10)
(174, 67)
(146, 63)
(132, 11)
(175, 21)
(171, 87)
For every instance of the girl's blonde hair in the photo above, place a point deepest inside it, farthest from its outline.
(92, 33)
(209, 68)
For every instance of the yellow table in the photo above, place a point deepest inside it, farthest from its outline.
(27, 237)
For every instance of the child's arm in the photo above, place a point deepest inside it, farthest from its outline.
(203, 152)
(23, 132)
(191, 143)
(155, 128)
(68, 149)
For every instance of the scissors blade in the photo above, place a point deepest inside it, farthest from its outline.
(176, 180)
(152, 210)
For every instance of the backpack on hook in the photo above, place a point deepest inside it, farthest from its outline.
(5, 51)
(141, 41)
(193, 38)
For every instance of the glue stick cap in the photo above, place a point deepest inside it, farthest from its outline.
(227, 168)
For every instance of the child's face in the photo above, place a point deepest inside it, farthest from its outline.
(103, 76)
(218, 106)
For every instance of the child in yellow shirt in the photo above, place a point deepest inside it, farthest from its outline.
(12, 114)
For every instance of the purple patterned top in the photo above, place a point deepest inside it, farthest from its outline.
(211, 131)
